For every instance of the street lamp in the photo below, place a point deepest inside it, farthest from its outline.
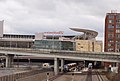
(17, 62)
(29, 60)
(2, 63)
(47, 76)
(72, 76)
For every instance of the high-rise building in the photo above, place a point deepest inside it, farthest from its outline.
(112, 32)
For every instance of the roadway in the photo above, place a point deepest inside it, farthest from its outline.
(85, 76)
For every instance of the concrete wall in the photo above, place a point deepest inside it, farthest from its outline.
(89, 45)
(98, 46)
(37, 77)
(82, 45)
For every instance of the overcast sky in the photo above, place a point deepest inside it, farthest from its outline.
(30, 16)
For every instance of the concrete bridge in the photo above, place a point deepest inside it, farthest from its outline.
(59, 54)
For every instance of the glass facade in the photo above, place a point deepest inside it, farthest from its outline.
(53, 44)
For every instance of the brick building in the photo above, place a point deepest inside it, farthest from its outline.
(112, 32)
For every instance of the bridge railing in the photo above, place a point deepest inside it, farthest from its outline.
(99, 55)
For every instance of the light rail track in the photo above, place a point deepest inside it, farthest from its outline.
(95, 76)
(89, 76)
(55, 77)
(99, 76)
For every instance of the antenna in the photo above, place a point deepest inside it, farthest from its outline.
(113, 11)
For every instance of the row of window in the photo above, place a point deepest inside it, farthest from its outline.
(113, 16)
(112, 40)
(112, 26)
(112, 44)
(112, 31)
(117, 30)
(19, 36)
(111, 50)
(112, 35)
(112, 21)
(109, 45)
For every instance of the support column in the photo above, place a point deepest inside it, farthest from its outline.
(9, 60)
(56, 66)
(118, 67)
(62, 65)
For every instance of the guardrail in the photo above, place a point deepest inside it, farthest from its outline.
(16, 76)
(95, 55)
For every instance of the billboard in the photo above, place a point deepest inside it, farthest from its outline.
(1, 28)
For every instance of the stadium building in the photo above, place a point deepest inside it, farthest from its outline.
(53, 40)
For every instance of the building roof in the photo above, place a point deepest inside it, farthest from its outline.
(88, 33)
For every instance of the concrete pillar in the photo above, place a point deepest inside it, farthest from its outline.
(9, 60)
(118, 67)
(56, 66)
(62, 65)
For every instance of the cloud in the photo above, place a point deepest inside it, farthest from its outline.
(28, 17)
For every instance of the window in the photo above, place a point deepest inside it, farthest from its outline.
(111, 31)
(110, 40)
(110, 21)
(117, 21)
(117, 30)
(117, 35)
(118, 45)
(81, 46)
(117, 25)
(78, 43)
(111, 16)
(118, 16)
(110, 49)
(110, 35)
(111, 26)
(110, 45)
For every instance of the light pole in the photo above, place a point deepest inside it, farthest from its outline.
(17, 62)
(10, 41)
(2, 63)
(53, 42)
(47, 76)
(72, 76)
(29, 60)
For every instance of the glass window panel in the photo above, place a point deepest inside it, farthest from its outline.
(111, 26)
(118, 16)
(118, 26)
(111, 16)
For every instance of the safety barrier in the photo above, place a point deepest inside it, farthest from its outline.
(15, 77)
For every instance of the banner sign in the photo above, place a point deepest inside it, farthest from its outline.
(59, 32)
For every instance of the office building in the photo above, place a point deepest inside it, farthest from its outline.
(112, 32)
